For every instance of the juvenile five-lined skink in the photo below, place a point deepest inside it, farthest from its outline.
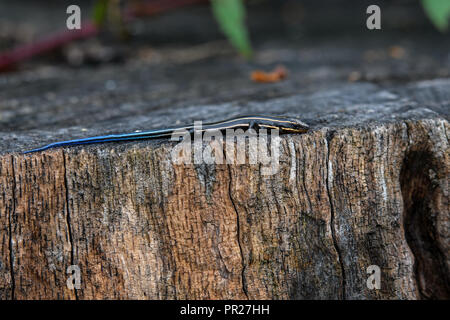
(283, 124)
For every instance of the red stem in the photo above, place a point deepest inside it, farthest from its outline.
(26, 51)
(11, 58)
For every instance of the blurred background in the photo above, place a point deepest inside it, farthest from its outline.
(174, 54)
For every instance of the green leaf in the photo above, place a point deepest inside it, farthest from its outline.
(230, 14)
(439, 12)
(99, 13)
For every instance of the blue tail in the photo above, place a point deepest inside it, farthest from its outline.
(100, 139)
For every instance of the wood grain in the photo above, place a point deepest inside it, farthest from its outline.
(140, 227)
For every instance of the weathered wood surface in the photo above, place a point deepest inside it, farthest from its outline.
(140, 227)
(368, 185)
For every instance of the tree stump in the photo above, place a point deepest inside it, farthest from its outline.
(349, 194)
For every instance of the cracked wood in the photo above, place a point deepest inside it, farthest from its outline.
(140, 227)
